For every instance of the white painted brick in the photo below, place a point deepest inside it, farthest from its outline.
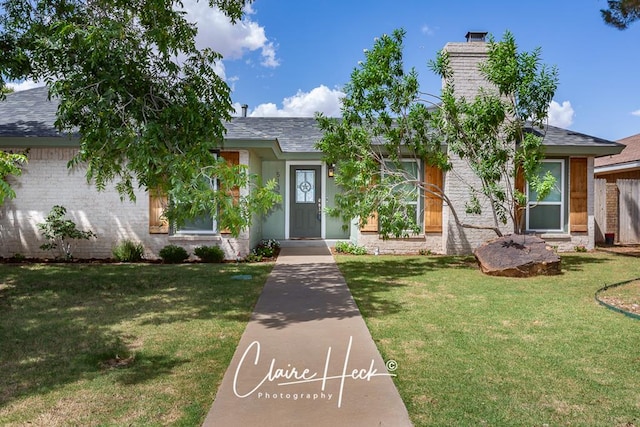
(46, 181)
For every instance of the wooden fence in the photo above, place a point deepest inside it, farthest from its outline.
(600, 202)
(617, 210)
(629, 211)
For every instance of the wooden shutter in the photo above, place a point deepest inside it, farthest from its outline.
(372, 223)
(371, 226)
(233, 159)
(578, 195)
(158, 224)
(432, 203)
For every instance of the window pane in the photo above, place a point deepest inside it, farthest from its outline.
(555, 195)
(201, 223)
(305, 186)
(412, 211)
(545, 217)
(410, 190)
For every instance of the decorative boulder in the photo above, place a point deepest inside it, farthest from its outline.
(517, 255)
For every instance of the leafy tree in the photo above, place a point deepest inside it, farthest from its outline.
(387, 120)
(147, 104)
(621, 13)
(61, 233)
(10, 164)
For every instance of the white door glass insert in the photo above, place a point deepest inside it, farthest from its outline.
(305, 186)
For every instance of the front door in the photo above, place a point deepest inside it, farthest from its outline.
(306, 202)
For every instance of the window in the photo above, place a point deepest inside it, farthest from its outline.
(410, 171)
(203, 224)
(548, 214)
(206, 223)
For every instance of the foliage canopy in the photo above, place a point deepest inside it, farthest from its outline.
(146, 103)
(387, 120)
(621, 13)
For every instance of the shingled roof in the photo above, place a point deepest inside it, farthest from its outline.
(630, 153)
(294, 134)
(563, 141)
(30, 113)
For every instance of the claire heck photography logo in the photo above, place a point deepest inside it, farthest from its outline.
(250, 381)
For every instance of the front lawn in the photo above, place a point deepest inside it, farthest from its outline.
(132, 344)
(477, 350)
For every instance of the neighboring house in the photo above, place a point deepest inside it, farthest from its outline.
(280, 149)
(620, 175)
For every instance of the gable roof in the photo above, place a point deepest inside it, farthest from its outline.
(629, 157)
(30, 114)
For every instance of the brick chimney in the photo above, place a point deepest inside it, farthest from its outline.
(464, 58)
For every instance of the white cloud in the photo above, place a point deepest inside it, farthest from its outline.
(560, 115)
(269, 56)
(636, 113)
(426, 30)
(233, 41)
(27, 84)
(304, 104)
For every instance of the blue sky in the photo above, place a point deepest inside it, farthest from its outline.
(293, 57)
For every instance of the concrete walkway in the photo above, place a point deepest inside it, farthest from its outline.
(306, 357)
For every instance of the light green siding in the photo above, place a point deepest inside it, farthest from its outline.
(273, 223)
(334, 225)
(255, 167)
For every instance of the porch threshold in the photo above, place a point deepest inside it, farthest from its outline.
(308, 243)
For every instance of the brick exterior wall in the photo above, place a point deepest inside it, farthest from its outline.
(46, 181)
(372, 241)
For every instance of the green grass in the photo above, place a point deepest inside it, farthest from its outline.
(173, 328)
(478, 350)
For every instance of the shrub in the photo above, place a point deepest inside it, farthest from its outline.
(350, 248)
(60, 233)
(18, 257)
(172, 254)
(128, 251)
(252, 257)
(267, 248)
(209, 253)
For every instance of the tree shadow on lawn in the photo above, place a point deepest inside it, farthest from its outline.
(577, 263)
(371, 279)
(61, 323)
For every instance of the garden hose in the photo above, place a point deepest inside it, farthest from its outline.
(613, 307)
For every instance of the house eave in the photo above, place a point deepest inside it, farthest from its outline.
(39, 142)
(622, 167)
(583, 150)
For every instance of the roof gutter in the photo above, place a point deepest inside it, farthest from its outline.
(617, 168)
